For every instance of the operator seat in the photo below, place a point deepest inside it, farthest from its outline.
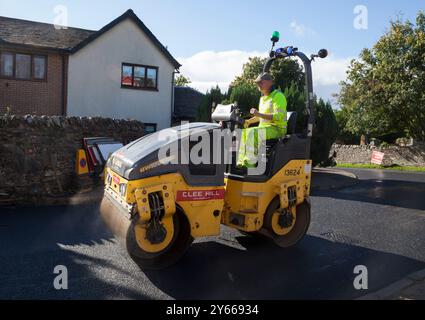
(272, 147)
(291, 127)
(292, 122)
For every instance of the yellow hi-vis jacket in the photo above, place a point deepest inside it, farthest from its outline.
(275, 103)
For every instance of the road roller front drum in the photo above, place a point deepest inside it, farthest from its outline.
(159, 256)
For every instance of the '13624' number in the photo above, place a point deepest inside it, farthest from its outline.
(293, 172)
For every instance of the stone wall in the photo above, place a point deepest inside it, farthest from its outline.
(394, 155)
(37, 154)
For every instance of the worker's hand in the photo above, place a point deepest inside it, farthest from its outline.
(254, 112)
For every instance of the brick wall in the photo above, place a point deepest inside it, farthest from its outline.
(35, 97)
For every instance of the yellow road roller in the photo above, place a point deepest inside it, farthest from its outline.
(170, 187)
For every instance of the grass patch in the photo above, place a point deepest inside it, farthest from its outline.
(374, 166)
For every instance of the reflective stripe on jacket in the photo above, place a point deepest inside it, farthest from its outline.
(275, 103)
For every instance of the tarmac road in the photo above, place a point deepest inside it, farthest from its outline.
(378, 222)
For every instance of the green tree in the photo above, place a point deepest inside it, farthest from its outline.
(246, 95)
(182, 81)
(325, 132)
(284, 72)
(344, 136)
(243, 89)
(385, 89)
(204, 110)
(296, 102)
(214, 95)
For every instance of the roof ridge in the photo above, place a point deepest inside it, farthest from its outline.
(131, 15)
(45, 23)
(76, 38)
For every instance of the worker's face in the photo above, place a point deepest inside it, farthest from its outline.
(265, 86)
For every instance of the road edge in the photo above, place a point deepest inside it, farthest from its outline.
(336, 171)
(394, 290)
(334, 179)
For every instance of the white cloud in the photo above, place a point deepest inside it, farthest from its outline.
(330, 71)
(327, 74)
(300, 30)
(208, 68)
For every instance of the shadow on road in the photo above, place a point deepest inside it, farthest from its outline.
(32, 242)
(32, 228)
(315, 269)
(403, 194)
(35, 240)
(32, 277)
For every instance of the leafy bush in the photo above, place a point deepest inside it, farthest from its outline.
(344, 135)
(384, 145)
(325, 133)
(247, 96)
(212, 96)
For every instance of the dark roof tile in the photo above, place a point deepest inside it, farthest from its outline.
(43, 35)
(23, 32)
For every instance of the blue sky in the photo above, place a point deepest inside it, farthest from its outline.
(212, 39)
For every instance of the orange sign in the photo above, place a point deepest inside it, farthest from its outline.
(377, 157)
(81, 163)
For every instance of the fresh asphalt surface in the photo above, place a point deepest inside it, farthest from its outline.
(378, 223)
